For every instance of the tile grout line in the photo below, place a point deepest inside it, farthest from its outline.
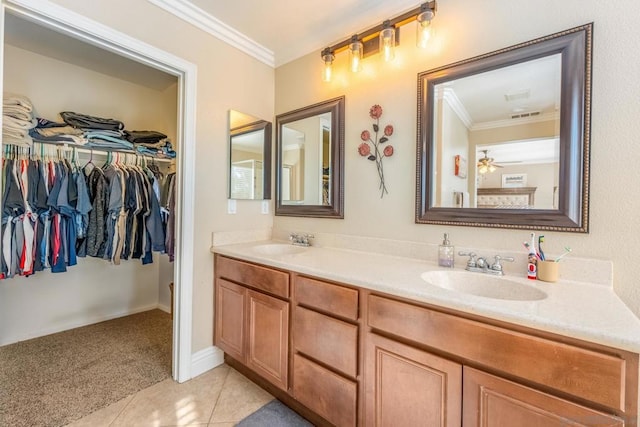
(219, 394)
(133, 397)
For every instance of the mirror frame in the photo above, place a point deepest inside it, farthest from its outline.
(336, 107)
(575, 46)
(266, 162)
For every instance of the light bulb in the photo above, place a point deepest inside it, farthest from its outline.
(388, 42)
(328, 70)
(355, 54)
(483, 169)
(327, 57)
(425, 28)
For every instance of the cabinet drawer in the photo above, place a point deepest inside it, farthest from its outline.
(272, 281)
(493, 401)
(327, 340)
(580, 372)
(333, 299)
(328, 394)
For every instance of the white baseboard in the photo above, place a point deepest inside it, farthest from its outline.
(205, 360)
(164, 308)
(85, 321)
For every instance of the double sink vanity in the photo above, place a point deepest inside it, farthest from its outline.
(349, 338)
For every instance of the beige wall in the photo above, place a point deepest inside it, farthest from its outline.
(546, 129)
(227, 78)
(466, 29)
(457, 136)
(54, 86)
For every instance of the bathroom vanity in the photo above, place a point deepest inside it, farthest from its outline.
(350, 338)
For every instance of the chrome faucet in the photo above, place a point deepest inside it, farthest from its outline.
(481, 265)
(300, 239)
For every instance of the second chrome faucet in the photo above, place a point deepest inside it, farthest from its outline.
(301, 239)
(481, 265)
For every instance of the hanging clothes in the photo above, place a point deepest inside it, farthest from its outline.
(54, 212)
(168, 199)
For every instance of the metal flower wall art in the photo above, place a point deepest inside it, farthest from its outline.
(376, 149)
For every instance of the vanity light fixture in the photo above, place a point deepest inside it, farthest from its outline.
(327, 57)
(381, 38)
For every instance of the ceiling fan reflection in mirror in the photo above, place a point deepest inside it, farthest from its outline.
(487, 164)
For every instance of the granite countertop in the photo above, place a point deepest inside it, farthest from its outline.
(586, 311)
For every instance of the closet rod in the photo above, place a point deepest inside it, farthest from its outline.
(102, 152)
(106, 153)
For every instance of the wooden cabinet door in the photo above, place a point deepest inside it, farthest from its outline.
(490, 401)
(230, 311)
(268, 337)
(405, 386)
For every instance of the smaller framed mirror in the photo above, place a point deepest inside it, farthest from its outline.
(310, 161)
(249, 157)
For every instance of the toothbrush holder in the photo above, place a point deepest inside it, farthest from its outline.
(548, 271)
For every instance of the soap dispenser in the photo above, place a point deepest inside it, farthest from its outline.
(446, 253)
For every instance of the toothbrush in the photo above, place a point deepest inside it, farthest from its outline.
(567, 249)
(531, 249)
(540, 240)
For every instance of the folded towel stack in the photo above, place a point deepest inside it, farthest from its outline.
(17, 119)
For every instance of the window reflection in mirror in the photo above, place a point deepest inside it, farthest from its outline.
(506, 121)
(249, 157)
(305, 161)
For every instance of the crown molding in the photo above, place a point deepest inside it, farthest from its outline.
(515, 122)
(197, 17)
(449, 95)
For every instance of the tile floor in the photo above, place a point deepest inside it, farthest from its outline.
(218, 398)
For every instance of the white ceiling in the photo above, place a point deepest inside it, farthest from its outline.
(291, 29)
(535, 84)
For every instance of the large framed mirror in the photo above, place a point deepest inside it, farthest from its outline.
(310, 161)
(503, 138)
(249, 157)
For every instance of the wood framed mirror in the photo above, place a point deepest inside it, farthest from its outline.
(515, 118)
(310, 161)
(249, 157)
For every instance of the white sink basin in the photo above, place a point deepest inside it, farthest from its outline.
(278, 249)
(483, 285)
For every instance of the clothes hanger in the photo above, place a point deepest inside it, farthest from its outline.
(89, 166)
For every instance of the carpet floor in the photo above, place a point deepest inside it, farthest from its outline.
(53, 380)
(274, 414)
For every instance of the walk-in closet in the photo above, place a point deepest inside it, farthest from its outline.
(58, 73)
